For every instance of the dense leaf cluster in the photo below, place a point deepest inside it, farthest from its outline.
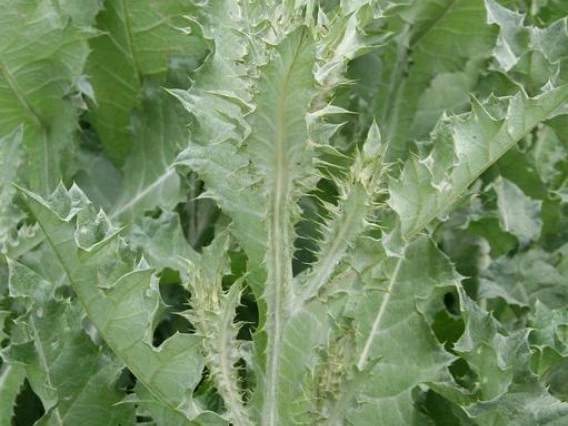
(265, 212)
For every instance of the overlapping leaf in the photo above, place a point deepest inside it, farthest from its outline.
(507, 391)
(145, 45)
(433, 61)
(376, 327)
(218, 100)
(464, 147)
(118, 296)
(42, 55)
(534, 56)
(527, 277)
(140, 41)
(65, 368)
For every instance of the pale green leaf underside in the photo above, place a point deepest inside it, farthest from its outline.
(277, 146)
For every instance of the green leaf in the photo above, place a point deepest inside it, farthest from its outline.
(164, 416)
(548, 328)
(305, 326)
(513, 37)
(218, 100)
(527, 277)
(119, 296)
(140, 41)
(548, 154)
(349, 218)
(10, 161)
(70, 374)
(531, 55)
(3, 316)
(213, 163)
(439, 52)
(213, 313)
(463, 148)
(518, 214)
(348, 40)
(149, 181)
(82, 12)
(488, 352)
(394, 346)
(508, 392)
(163, 243)
(277, 146)
(286, 234)
(98, 178)
(549, 342)
(11, 381)
(41, 58)
(524, 406)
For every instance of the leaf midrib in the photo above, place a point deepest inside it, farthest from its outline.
(148, 384)
(365, 353)
(21, 97)
(327, 265)
(459, 189)
(44, 364)
(433, 23)
(280, 252)
(130, 44)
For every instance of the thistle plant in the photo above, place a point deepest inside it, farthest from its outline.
(281, 213)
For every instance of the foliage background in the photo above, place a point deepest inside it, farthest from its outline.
(298, 212)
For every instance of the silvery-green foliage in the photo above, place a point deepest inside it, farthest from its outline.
(300, 212)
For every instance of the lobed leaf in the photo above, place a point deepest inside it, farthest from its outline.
(509, 392)
(10, 161)
(69, 373)
(11, 381)
(464, 147)
(218, 100)
(119, 296)
(393, 304)
(213, 315)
